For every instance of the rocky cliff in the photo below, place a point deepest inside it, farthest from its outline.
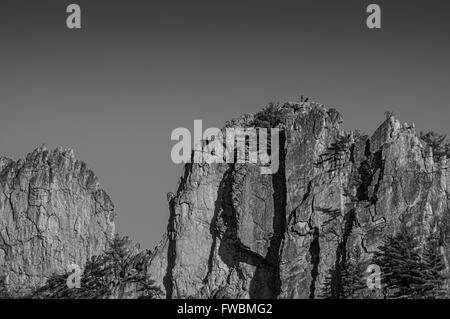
(234, 233)
(52, 213)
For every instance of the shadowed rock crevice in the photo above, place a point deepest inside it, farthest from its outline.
(314, 252)
(341, 251)
(342, 255)
(378, 164)
(171, 251)
(266, 282)
(168, 280)
(371, 167)
(222, 203)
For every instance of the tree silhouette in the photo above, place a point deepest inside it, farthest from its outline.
(107, 276)
(434, 273)
(438, 144)
(345, 279)
(4, 293)
(408, 274)
(401, 266)
(271, 116)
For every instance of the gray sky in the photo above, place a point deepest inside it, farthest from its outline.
(115, 89)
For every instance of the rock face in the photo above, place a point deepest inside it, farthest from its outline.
(52, 214)
(234, 233)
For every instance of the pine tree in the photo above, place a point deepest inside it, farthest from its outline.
(433, 261)
(4, 293)
(401, 267)
(408, 274)
(330, 289)
(437, 143)
(344, 280)
(105, 275)
(351, 279)
(271, 116)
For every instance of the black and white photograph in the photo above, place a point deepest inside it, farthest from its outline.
(247, 152)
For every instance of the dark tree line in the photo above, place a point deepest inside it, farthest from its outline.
(4, 293)
(271, 116)
(407, 271)
(121, 269)
(438, 143)
(345, 279)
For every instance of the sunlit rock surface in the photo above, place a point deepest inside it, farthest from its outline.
(234, 233)
(52, 213)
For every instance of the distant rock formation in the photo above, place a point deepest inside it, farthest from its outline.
(52, 213)
(234, 233)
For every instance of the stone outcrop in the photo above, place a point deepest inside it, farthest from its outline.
(52, 213)
(234, 233)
